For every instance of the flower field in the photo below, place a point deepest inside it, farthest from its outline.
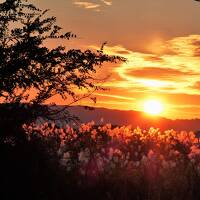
(125, 162)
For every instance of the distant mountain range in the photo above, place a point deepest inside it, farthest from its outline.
(134, 118)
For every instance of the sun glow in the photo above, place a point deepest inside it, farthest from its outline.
(153, 83)
(153, 107)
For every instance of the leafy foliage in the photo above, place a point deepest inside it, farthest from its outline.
(30, 71)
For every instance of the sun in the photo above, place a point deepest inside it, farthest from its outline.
(153, 107)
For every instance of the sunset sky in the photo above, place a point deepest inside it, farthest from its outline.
(160, 39)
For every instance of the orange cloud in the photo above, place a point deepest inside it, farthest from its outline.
(92, 5)
(107, 2)
(184, 46)
(154, 59)
(196, 85)
(86, 5)
(160, 73)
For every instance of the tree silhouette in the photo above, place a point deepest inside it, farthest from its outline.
(32, 73)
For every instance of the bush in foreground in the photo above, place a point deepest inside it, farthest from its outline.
(105, 162)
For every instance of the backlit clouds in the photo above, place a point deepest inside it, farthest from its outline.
(86, 5)
(156, 71)
(92, 5)
(160, 73)
(157, 75)
(159, 39)
(185, 46)
(196, 85)
(107, 2)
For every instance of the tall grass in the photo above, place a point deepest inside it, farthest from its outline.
(108, 162)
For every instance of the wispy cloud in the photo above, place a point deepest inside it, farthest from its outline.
(86, 5)
(115, 96)
(160, 73)
(92, 5)
(107, 2)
